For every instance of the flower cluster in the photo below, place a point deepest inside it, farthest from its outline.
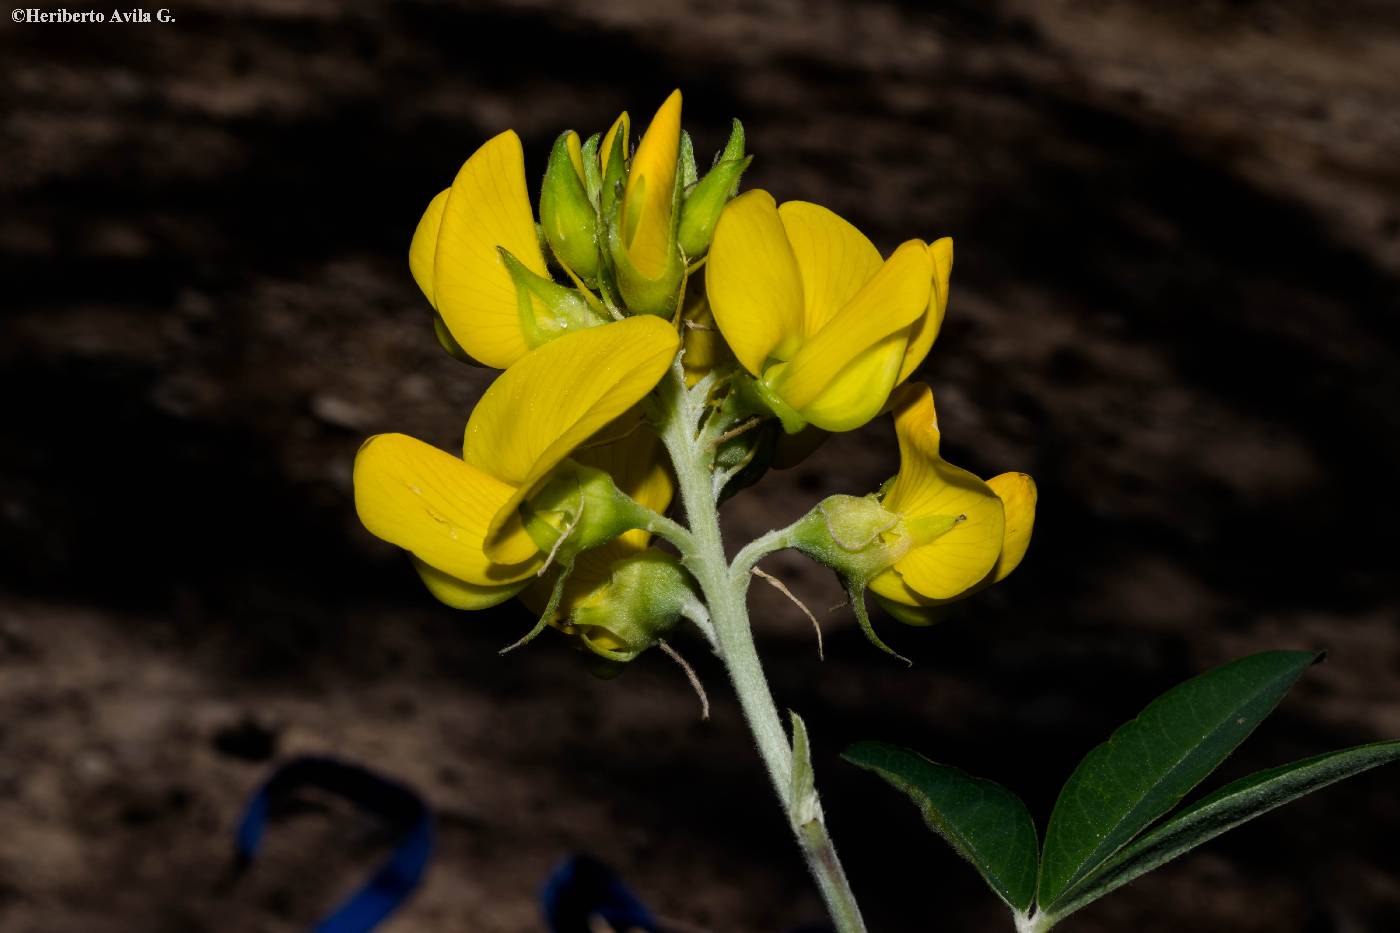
(786, 319)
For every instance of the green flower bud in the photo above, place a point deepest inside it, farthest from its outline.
(637, 606)
(547, 309)
(642, 294)
(614, 176)
(689, 174)
(592, 173)
(707, 198)
(568, 216)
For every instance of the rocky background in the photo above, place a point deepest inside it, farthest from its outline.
(1175, 303)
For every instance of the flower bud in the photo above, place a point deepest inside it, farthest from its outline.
(643, 294)
(568, 217)
(706, 200)
(638, 605)
(612, 156)
(641, 237)
(547, 309)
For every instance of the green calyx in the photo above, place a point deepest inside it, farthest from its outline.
(755, 397)
(641, 294)
(853, 535)
(614, 179)
(547, 309)
(639, 604)
(706, 200)
(859, 539)
(567, 214)
(578, 509)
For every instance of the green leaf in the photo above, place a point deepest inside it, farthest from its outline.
(1223, 810)
(1148, 765)
(983, 821)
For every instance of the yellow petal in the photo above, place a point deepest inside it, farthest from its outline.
(896, 599)
(834, 259)
(636, 462)
(623, 125)
(858, 393)
(928, 488)
(1018, 496)
(488, 207)
(890, 586)
(889, 302)
(927, 327)
(439, 508)
(571, 142)
(459, 594)
(753, 283)
(423, 250)
(538, 411)
(651, 183)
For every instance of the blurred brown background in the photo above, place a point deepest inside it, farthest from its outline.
(1175, 303)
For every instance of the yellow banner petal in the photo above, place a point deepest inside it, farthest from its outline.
(438, 508)
(927, 328)
(1018, 496)
(488, 207)
(422, 252)
(753, 283)
(651, 183)
(890, 301)
(834, 259)
(558, 396)
(927, 487)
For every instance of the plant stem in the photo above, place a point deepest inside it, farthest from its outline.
(1033, 923)
(725, 592)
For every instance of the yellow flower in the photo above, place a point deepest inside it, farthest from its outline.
(648, 200)
(962, 534)
(826, 327)
(642, 237)
(461, 518)
(494, 313)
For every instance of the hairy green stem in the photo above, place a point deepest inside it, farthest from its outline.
(1034, 923)
(725, 590)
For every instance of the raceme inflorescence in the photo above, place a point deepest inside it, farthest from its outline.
(662, 336)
